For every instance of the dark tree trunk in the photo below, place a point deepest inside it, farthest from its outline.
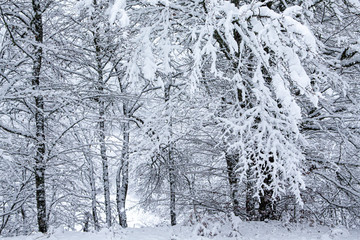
(250, 200)
(232, 162)
(86, 221)
(172, 190)
(170, 162)
(267, 207)
(40, 164)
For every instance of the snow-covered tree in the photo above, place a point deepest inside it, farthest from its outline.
(262, 57)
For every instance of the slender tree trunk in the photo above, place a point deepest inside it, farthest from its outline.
(104, 162)
(24, 227)
(231, 162)
(93, 192)
(100, 85)
(23, 221)
(172, 189)
(40, 165)
(122, 176)
(86, 221)
(171, 162)
(101, 130)
(93, 199)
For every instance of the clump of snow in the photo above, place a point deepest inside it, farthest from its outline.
(149, 65)
(293, 11)
(85, 4)
(118, 8)
(299, 29)
(284, 95)
(152, 2)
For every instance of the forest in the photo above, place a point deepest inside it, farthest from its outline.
(196, 108)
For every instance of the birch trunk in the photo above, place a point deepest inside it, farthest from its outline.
(122, 176)
(93, 199)
(101, 129)
(100, 86)
(103, 155)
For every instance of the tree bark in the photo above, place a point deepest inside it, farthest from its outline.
(104, 160)
(122, 176)
(267, 206)
(250, 200)
(170, 161)
(172, 189)
(231, 162)
(86, 221)
(101, 129)
(93, 191)
(93, 199)
(40, 148)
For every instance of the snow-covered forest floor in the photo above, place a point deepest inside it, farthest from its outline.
(243, 231)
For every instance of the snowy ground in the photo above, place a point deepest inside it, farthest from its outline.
(244, 231)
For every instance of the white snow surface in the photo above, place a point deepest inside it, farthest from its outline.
(244, 231)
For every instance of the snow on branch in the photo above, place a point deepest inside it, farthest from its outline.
(267, 52)
(118, 9)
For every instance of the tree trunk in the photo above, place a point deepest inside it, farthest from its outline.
(101, 130)
(122, 176)
(93, 200)
(172, 189)
(93, 192)
(267, 207)
(104, 162)
(170, 161)
(86, 221)
(40, 164)
(250, 200)
(100, 86)
(231, 162)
